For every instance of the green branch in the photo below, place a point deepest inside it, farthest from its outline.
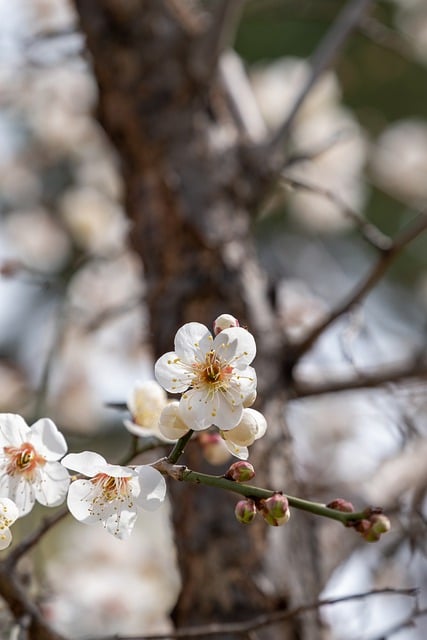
(184, 474)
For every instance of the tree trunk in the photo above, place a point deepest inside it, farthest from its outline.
(191, 188)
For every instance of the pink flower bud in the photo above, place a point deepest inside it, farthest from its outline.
(245, 511)
(275, 510)
(240, 471)
(224, 321)
(339, 504)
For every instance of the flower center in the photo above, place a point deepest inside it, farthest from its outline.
(23, 460)
(213, 372)
(110, 488)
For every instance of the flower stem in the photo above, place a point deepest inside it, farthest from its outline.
(256, 492)
(179, 447)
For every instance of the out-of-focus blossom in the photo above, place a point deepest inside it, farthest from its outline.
(29, 467)
(112, 493)
(298, 308)
(399, 160)
(9, 512)
(146, 402)
(96, 223)
(214, 448)
(131, 587)
(251, 427)
(322, 125)
(37, 239)
(214, 374)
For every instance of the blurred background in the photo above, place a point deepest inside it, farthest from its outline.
(74, 329)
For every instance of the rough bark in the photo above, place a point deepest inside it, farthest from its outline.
(190, 192)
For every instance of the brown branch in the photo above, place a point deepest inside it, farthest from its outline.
(402, 373)
(24, 611)
(370, 233)
(264, 620)
(324, 56)
(218, 38)
(35, 536)
(387, 257)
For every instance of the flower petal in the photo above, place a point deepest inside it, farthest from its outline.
(153, 488)
(53, 486)
(5, 537)
(22, 493)
(238, 341)
(47, 440)
(8, 511)
(192, 341)
(228, 415)
(238, 452)
(79, 501)
(172, 373)
(88, 463)
(194, 410)
(121, 524)
(13, 429)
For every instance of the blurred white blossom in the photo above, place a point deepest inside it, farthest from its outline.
(399, 160)
(322, 125)
(38, 240)
(96, 222)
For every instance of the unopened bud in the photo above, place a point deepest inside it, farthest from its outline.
(224, 321)
(339, 504)
(245, 511)
(275, 510)
(380, 524)
(240, 471)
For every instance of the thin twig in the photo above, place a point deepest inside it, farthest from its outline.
(263, 620)
(322, 59)
(370, 233)
(367, 380)
(387, 257)
(35, 536)
(218, 38)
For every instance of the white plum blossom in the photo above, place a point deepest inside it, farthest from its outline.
(212, 373)
(252, 426)
(145, 403)
(9, 512)
(29, 462)
(171, 425)
(111, 494)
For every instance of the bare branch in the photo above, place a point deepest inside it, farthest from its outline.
(35, 536)
(21, 607)
(363, 288)
(371, 234)
(243, 628)
(402, 373)
(240, 97)
(218, 38)
(321, 60)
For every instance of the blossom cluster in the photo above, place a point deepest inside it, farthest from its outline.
(217, 384)
(34, 468)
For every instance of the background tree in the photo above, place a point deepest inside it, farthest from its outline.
(199, 166)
